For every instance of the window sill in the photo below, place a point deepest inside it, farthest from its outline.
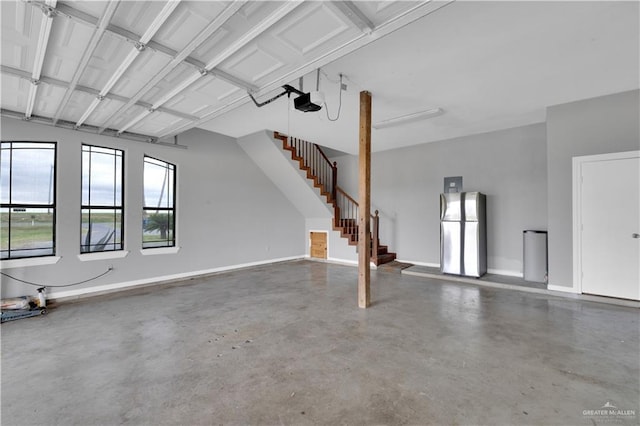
(159, 250)
(103, 255)
(33, 261)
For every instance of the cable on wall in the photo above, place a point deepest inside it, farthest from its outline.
(339, 102)
(63, 285)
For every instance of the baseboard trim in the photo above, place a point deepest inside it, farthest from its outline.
(490, 271)
(63, 296)
(557, 291)
(427, 264)
(562, 289)
(336, 261)
(342, 261)
(505, 272)
(552, 290)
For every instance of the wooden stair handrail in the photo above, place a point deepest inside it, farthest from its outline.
(317, 166)
(285, 138)
(313, 159)
(342, 191)
(324, 155)
(352, 216)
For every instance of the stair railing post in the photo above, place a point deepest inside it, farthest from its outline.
(334, 179)
(375, 239)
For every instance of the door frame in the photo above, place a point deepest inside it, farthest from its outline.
(577, 163)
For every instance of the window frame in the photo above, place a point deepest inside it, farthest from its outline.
(53, 206)
(90, 207)
(171, 210)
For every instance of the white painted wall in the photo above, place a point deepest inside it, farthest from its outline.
(228, 212)
(267, 153)
(509, 166)
(276, 163)
(594, 126)
(525, 172)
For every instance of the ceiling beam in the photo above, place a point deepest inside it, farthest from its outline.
(213, 26)
(108, 13)
(41, 51)
(420, 10)
(355, 15)
(88, 129)
(153, 28)
(254, 32)
(238, 44)
(131, 37)
(125, 34)
(158, 104)
(65, 85)
(159, 20)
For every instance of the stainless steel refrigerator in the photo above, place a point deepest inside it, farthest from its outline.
(463, 234)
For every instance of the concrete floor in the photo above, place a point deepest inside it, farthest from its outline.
(286, 344)
(431, 272)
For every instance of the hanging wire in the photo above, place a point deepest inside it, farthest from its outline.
(328, 77)
(63, 285)
(339, 103)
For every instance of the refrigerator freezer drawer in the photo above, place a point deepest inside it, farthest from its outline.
(450, 248)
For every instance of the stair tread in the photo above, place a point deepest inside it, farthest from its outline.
(385, 258)
(348, 227)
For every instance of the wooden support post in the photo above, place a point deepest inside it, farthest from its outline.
(364, 191)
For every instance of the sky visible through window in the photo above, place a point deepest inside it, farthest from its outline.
(32, 173)
(106, 177)
(158, 183)
(27, 195)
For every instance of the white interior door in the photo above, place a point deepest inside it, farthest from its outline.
(610, 224)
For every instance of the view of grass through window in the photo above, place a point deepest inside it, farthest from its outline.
(102, 199)
(158, 220)
(27, 199)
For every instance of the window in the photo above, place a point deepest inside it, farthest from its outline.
(27, 199)
(102, 199)
(158, 220)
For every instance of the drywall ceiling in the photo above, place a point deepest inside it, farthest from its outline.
(151, 69)
(488, 65)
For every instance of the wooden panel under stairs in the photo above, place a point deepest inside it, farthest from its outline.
(318, 245)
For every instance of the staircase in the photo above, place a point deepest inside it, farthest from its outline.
(318, 168)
